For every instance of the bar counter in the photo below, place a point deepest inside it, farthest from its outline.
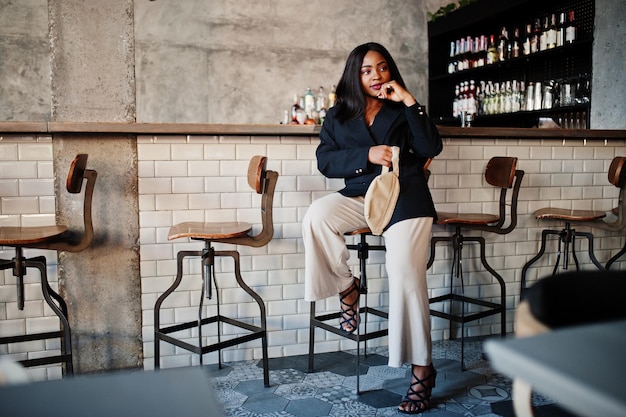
(153, 175)
(291, 130)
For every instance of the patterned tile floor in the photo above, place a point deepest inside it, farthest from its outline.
(331, 389)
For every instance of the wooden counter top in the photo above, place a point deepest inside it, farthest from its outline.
(291, 130)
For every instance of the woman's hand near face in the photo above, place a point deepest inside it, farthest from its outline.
(380, 155)
(393, 91)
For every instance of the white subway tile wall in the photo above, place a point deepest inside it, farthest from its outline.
(203, 178)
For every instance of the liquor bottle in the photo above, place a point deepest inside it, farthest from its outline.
(321, 101)
(543, 38)
(503, 44)
(507, 93)
(515, 44)
(480, 97)
(309, 102)
(482, 51)
(536, 39)
(530, 97)
(472, 105)
(560, 31)
(455, 102)
(551, 40)
(488, 98)
(468, 60)
(463, 101)
(294, 110)
(527, 39)
(332, 96)
(452, 65)
(570, 29)
(515, 97)
(492, 51)
(496, 99)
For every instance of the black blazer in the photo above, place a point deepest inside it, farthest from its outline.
(343, 150)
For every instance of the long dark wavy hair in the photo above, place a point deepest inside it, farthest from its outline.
(350, 96)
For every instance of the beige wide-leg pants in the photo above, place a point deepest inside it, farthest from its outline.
(407, 243)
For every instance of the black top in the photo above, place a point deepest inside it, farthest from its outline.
(344, 147)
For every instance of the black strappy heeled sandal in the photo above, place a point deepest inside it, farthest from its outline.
(350, 314)
(419, 398)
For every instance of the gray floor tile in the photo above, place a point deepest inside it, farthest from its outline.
(331, 389)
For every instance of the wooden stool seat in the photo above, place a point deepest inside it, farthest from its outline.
(23, 236)
(466, 218)
(209, 231)
(54, 237)
(570, 215)
(356, 232)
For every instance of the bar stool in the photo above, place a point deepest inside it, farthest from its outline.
(589, 218)
(501, 172)
(362, 248)
(262, 181)
(57, 238)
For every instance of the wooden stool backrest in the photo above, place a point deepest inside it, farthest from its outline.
(617, 177)
(74, 184)
(256, 173)
(617, 171)
(76, 173)
(262, 182)
(500, 171)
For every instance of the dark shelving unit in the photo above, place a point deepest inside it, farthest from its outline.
(485, 17)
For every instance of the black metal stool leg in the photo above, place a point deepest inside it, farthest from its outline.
(158, 335)
(260, 303)
(592, 255)
(60, 311)
(615, 258)
(542, 250)
(311, 336)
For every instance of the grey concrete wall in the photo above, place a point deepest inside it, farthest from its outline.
(93, 79)
(92, 60)
(24, 61)
(608, 88)
(226, 62)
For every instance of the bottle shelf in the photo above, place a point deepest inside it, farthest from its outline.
(575, 116)
(569, 63)
(580, 47)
